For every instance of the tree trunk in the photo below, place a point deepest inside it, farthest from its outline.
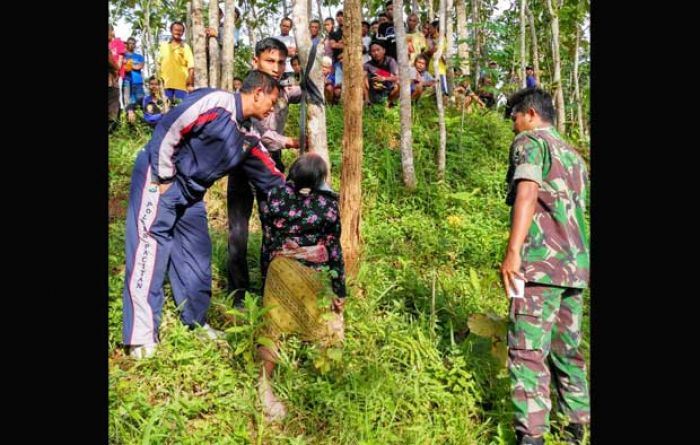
(351, 170)
(320, 12)
(477, 44)
(557, 84)
(258, 26)
(438, 94)
(414, 8)
(577, 90)
(188, 24)
(227, 49)
(449, 35)
(214, 59)
(316, 114)
(462, 35)
(535, 52)
(198, 45)
(523, 53)
(251, 36)
(148, 51)
(431, 12)
(409, 175)
(309, 10)
(285, 13)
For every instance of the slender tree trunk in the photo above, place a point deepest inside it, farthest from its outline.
(320, 12)
(462, 34)
(285, 12)
(228, 45)
(523, 53)
(477, 44)
(558, 90)
(438, 94)
(188, 24)
(309, 11)
(431, 11)
(535, 52)
(251, 35)
(258, 26)
(449, 35)
(351, 170)
(214, 59)
(577, 90)
(409, 175)
(316, 114)
(199, 45)
(414, 7)
(148, 51)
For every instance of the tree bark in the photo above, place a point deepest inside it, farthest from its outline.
(535, 52)
(523, 53)
(557, 84)
(477, 44)
(188, 24)
(148, 50)
(198, 45)
(251, 36)
(438, 94)
(449, 35)
(351, 170)
(463, 35)
(577, 90)
(409, 174)
(228, 45)
(320, 12)
(316, 114)
(214, 59)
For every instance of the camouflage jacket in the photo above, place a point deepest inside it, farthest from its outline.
(556, 248)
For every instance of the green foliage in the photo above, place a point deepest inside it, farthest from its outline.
(406, 373)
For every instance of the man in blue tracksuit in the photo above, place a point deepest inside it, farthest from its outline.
(195, 144)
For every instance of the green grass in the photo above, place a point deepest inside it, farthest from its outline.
(406, 375)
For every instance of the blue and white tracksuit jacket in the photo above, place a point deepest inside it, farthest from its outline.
(195, 144)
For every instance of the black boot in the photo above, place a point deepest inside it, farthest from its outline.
(573, 433)
(523, 439)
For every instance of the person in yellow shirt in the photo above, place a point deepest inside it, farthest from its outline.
(415, 39)
(432, 49)
(176, 64)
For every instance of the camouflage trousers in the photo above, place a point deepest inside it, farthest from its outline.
(545, 333)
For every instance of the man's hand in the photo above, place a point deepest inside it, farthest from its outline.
(292, 143)
(510, 269)
(523, 211)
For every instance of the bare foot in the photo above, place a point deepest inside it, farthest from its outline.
(273, 409)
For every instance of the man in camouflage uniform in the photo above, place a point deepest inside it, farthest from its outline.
(548, 249)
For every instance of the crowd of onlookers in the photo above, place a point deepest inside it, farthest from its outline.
(379, 57)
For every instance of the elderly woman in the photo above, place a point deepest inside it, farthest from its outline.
(301, 225)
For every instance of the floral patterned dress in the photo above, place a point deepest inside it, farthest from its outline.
(306, 225)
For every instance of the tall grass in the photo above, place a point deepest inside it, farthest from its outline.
(407, 374)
